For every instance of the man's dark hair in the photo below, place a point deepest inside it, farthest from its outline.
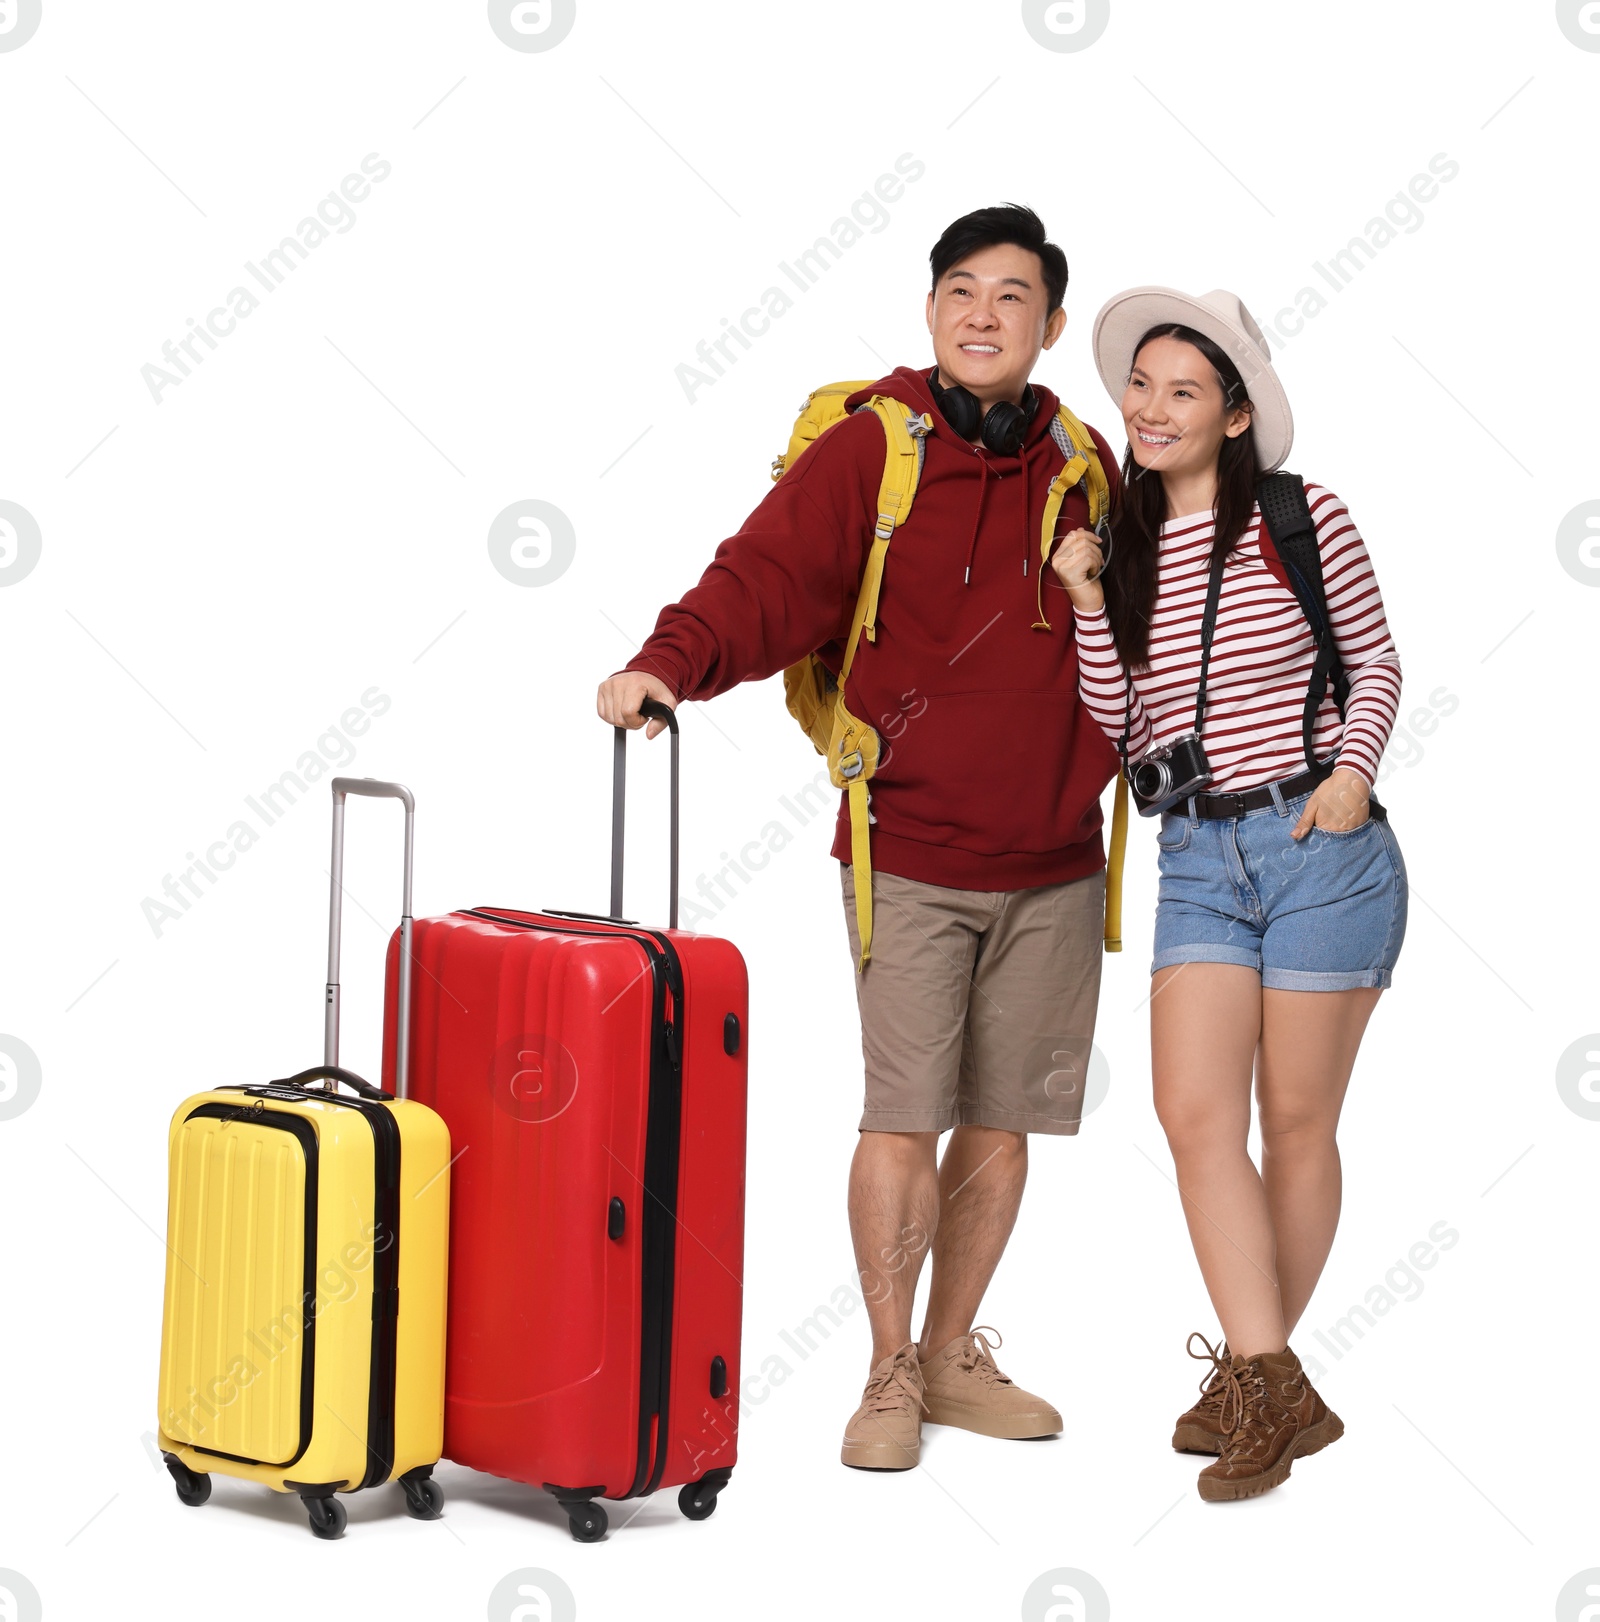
(986, 228)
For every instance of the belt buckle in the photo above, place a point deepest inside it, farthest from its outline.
(1228, 805)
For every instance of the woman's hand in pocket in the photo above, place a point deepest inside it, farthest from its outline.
(1339, 804)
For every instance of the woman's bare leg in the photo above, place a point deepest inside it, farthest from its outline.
(1308, 1049)
(1205, 1025)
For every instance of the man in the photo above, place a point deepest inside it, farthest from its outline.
(987, 871)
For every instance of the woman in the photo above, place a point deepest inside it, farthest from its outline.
(1282, 900)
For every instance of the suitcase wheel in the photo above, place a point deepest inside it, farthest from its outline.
(695, 1501)
(424, 1498)
(588, 1522)
(327, 1516)
(193, 1488)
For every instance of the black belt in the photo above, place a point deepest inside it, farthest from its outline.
(1215, 806)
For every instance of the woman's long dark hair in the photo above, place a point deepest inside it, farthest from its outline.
(1130, 578)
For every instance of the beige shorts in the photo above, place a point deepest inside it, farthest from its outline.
(977, 1006)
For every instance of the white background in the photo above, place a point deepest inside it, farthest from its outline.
(305, 518)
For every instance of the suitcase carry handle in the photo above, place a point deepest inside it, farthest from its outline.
(652, 709)
(332, 1072)
(372, 788)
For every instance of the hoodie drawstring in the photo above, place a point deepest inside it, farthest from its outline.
(977, 516)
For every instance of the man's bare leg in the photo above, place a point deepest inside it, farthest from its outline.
(980, 1189)
(894, 1211)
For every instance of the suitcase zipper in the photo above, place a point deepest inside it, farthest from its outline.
(663, 1134)
(385, 1293)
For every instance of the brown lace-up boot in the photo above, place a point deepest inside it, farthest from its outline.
(1271, 1415)
(1318, 1423)
(1200, 1429)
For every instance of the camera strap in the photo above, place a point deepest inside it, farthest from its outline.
(1208, 630)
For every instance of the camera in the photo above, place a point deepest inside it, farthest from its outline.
(1169, 773)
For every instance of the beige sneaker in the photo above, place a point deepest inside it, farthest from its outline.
(966, 1389)
(885, 1432)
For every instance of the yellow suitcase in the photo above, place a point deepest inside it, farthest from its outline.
(303, 1337)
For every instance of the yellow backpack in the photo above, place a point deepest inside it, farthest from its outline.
(815, 696)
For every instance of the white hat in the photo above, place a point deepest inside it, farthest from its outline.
(1220, 315)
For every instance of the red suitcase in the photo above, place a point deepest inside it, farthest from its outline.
(592, 1074)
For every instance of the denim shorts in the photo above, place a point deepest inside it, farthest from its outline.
(1326, 913)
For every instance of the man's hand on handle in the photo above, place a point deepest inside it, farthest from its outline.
(620, 696)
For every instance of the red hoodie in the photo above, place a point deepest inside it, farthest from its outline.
(992, 769)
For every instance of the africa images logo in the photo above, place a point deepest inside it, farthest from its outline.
(20, 542)
(19, 1599)
(532, 543)
(532, 1595)
(1065, 1595)
(1066, 25)
(532, 25)
(533, 1077)
(21, 1077)
(1578, 535)
(19, 19)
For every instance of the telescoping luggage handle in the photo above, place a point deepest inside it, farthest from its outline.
(651, 709)
(372, 788)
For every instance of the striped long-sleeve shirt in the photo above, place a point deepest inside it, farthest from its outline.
(1261, 656)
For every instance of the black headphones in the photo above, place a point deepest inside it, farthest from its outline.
(1002, 427)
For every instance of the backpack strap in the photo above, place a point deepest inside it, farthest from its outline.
(902, 466)
(1289, 536)
(1114, 855)
(1082, 466)
(853, 757)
